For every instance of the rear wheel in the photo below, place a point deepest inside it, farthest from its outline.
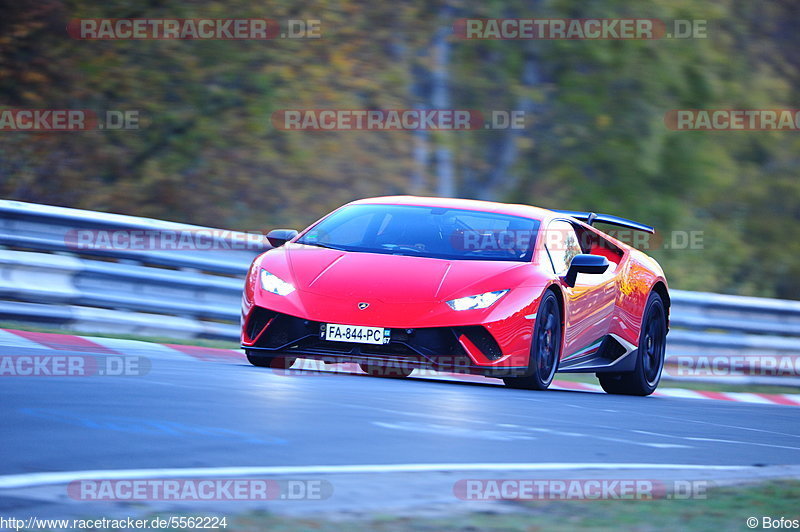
(545, 347)
(396, 372)
(645, 377)
(269, 361)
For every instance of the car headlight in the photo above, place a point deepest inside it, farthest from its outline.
(475, 302)
(272, 283)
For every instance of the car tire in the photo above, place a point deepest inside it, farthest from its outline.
(644, 379)
(545, 347)
(394, 372)
(269, 361)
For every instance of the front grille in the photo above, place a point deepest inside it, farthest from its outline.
(393, 349)
(425, 345)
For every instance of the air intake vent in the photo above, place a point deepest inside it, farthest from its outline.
(482, 340)
(258, 319)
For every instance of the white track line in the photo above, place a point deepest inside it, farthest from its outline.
(27, 480)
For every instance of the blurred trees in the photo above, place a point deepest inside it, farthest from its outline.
(595, 138)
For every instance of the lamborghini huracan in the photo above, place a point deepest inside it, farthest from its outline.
(507, 291)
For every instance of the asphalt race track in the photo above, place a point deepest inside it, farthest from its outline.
(207, 415)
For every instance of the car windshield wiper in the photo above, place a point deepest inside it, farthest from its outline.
(326, 246)
(398, 249)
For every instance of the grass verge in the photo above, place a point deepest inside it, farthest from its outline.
(724, 508)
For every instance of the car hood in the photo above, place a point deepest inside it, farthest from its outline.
(390, 278)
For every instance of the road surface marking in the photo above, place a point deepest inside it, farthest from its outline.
(27, 480)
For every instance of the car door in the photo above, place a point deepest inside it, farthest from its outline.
(589, 305)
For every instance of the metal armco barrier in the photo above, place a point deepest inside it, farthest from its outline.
(56, 269)
(101, 272)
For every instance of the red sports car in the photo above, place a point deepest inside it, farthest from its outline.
(508, 291)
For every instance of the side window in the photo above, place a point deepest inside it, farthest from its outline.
(595, 244)
(562, 244)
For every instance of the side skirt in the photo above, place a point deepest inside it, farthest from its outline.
(609, 353)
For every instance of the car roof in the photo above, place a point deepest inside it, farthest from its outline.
(513, 209)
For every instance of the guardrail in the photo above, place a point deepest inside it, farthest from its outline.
(103, 272)
(54, 270)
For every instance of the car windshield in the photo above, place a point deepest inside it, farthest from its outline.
(434, 232)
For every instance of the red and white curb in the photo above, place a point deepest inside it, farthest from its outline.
(114, 346)
(742, 397)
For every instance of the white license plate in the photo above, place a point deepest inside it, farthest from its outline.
(355, 333)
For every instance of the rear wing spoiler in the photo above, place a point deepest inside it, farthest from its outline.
(591, 217)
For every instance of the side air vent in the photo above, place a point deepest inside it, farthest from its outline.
(611, 349)
(482, 340)
(259, 317)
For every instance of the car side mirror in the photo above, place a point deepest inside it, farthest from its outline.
(278, 237)
(585, 264)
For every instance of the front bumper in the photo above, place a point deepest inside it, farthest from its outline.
(465, 349)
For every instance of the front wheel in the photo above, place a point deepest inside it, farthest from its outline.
(545, 347)
(645, 377)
